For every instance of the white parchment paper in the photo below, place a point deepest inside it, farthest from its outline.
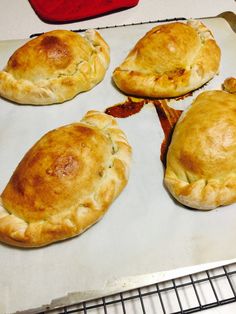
(145, 231)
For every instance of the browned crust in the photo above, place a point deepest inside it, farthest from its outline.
(55, 67)
(201, 162)
(65, 182)
(230, 85)
(170, 60)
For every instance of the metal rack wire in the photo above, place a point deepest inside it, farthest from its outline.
(122, 25)
(184, 295)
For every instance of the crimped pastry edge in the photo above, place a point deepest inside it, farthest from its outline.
(202, 194)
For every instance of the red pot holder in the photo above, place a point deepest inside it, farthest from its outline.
(61, 11)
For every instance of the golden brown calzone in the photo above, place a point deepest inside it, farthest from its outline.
(170, 60)
(54, 67)
(65, 182)
(201, 159)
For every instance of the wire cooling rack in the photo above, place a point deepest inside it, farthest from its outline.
(189, 294)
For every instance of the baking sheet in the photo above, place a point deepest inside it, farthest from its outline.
(145, 232)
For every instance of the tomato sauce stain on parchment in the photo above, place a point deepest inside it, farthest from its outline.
(167, 116)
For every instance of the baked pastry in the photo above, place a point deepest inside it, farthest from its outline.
(201, 159)
(65, 182)
(54, 67)
(229, 85)
(170, 60)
